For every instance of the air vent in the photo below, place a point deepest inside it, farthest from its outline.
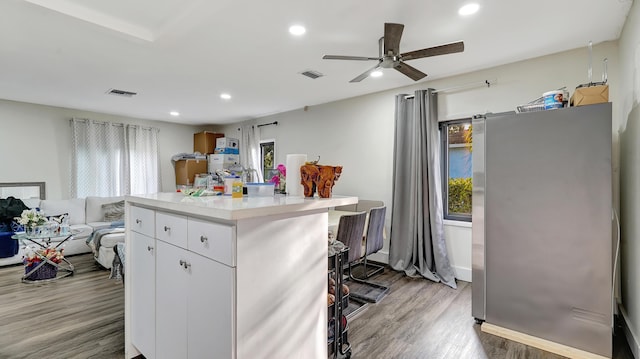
(312, 74)
(121, 93)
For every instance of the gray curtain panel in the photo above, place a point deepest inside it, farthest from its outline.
(418, 244)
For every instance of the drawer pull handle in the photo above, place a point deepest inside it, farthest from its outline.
(184, 264)
(150, 249)
(203, 239)
(167, 229)
(138, 220)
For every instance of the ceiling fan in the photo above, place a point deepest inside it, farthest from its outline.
(392, 58)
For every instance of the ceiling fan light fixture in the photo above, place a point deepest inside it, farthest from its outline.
(297, 30)
(225, 96)
(468, 9)
(174, 113)
(376, 73)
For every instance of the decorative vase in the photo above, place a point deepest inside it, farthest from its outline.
(30, 230)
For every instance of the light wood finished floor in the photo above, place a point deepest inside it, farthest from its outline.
(82, 317)
(79, 317)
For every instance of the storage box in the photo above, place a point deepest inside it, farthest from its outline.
(205, 142)
(186, 170)
(218, 161)
(590, 95)
(260, 189)
(229, 142)
(227, 151)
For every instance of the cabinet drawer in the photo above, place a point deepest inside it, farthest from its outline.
(213, 240)
(171, 228)
(142, 221)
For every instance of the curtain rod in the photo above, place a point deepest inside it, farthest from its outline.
(115, 124)
(270, 123)
(487, 83)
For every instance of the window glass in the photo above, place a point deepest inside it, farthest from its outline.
(457, 147)
(267, 153)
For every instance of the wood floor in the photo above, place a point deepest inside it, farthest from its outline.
(82, 317)
(77, 317)
(420, 319)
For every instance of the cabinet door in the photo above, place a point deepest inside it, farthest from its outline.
(211, 303)
(143, 323)
(171, 301)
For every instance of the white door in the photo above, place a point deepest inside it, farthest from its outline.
(143, 323)
(172, 275)
(211, 301)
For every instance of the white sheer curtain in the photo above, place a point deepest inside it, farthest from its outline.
(250, 150)
(113, 159)
(144, 168)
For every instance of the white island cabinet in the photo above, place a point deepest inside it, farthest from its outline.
(216, 277)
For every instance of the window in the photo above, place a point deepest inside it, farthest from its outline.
(456, 137)
(113, 159)
(267, 157)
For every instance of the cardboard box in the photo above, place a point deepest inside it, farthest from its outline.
(220, 161)
(186, 170)
(227, 142)
(590, 95)
(205, 142)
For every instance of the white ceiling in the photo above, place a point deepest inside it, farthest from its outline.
(180, 55)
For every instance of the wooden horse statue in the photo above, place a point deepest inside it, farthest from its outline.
(320, 178)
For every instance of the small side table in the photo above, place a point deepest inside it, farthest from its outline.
(65, 268)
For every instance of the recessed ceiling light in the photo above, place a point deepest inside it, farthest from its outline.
(376, 73)
(468, 9)
(225, 96)
(174, 113)
(297, 30)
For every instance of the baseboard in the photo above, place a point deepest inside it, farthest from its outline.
(632, 339)
(539, 343)
(462, 273)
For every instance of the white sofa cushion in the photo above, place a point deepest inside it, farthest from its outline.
(95, 212)
(81, 231)
(99, 225)
(75, 207)
(31, 202)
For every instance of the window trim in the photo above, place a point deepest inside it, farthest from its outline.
(444, 168)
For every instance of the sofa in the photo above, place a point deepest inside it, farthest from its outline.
(86, 217)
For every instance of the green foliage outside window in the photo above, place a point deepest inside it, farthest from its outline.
(460, 192)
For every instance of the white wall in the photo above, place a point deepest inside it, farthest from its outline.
(358, 133)
(629, 128)
(35, 144)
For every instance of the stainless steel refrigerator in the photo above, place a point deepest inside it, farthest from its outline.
(542, 225)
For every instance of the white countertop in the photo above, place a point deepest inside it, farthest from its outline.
(227, 208)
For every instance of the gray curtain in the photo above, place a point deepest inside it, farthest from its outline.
(418, 244)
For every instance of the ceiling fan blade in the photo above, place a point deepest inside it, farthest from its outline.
(410, 71)
(434, 51)
(340, 57)
(365, 74)
(392, 35)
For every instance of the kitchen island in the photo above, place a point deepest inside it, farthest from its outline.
(216, 277)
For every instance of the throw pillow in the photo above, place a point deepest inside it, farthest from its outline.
(59, 218)
(113, 211)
